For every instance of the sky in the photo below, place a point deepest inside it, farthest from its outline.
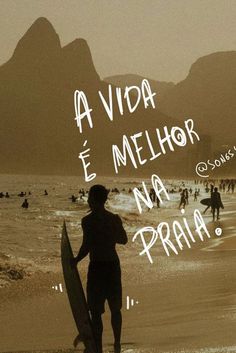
(158, 39)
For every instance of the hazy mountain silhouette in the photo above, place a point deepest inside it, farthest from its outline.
(208, 96)
(160, 87)
(38, 132)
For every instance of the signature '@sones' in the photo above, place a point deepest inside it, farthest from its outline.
(203, 167)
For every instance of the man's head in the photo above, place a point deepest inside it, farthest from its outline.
(97, 196)
(215, 189)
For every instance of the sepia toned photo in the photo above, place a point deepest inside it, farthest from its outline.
(117, 176)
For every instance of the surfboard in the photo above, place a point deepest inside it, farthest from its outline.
(206, 202)
(76, 295)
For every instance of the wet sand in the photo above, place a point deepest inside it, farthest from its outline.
(194, 307)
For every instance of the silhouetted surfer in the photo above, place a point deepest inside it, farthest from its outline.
(182, 200)
(73, 198)
(101, 231)
(186, 195)
(216, 203)
(25, 204)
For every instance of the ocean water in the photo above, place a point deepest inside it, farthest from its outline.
(30, 238)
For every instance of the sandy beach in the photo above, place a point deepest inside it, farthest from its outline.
(186, 302)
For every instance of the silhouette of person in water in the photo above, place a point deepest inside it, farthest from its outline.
(186, 195)
(102, 230)
(73, 198)
(182, 202)
(216, 203)
(25, 204)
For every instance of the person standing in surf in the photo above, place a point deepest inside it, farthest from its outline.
(216, 204)
(102, 230)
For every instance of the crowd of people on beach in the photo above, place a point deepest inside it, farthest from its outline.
(214, 201)
(186, 193)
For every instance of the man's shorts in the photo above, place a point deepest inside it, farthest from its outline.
(104, 283)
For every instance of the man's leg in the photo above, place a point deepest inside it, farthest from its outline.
(116, 323)
(218, 213)
(114, 298)
(213, 212)
(96, 301)
(97, 329)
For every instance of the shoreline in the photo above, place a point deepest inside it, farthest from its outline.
(187, 302)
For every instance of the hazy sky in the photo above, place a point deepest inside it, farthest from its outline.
(158, 39)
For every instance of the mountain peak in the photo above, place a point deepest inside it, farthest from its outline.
(218, 63)
(78, 54)
(42, 23)
(43, 27)
(39, 40)
(77, 46)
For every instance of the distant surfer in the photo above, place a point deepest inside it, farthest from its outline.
(73, 198)
(186, 195)
(102, 230)
(182, 203)
(216, 204)
(25, 204)
(21, 194)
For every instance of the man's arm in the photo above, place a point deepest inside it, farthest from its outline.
(121, 236)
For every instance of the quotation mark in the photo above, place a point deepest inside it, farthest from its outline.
(130, 302)
(58, 287)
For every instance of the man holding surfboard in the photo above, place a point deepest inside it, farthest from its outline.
(216, 204)
(102, 230)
